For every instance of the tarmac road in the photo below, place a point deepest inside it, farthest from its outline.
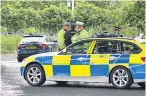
(14, 85)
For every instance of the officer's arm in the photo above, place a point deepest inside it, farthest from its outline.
(73, 39)
(61, 39)
(85, 34)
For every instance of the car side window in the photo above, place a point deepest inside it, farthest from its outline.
(129, 48)
(46, 39)
(116, 48)
(79, 48)
(103, 47)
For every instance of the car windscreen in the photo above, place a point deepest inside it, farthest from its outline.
(32, 39)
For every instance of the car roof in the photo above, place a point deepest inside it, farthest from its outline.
(33, 35)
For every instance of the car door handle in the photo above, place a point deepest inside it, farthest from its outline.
(113, 58)
(81, 58)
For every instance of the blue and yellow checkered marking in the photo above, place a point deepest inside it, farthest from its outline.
(61, 60)
(74, 60)
(99, 70)
(40, 59)
(137, 70)
(94, 65)
(120, 58)
(47, 60)
(99, 64)
(48, 70)
(59, 70)
(99, 59)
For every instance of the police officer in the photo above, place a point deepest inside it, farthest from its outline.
(117, 31)
(104, 29)
(67, 37)
(80, 32)
(61, 33)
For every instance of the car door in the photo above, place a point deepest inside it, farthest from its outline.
(99, 58)
(71, 62)
(106, 55)
(119, 55)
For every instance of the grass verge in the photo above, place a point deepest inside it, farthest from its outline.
(9, 43)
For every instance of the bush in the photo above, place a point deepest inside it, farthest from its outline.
(9, 43)
(29, 30)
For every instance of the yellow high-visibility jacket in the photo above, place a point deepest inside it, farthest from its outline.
(79, 36)
(61, 39)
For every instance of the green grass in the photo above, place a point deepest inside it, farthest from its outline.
(9, 43)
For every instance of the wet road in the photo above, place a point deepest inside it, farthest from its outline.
(14, 85)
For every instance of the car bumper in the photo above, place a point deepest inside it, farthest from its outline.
(22, 71)
(138, 73)
(139, 80)
(27, 54)
(24, 55)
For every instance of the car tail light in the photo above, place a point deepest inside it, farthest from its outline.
(20, 46)
(44, 46)
(143, 59)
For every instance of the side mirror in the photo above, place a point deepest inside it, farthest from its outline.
(64, 51)
(69, 50)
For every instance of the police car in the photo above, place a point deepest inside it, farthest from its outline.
(104, 60)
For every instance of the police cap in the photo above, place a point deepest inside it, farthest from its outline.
(79, 23)
(66, 24)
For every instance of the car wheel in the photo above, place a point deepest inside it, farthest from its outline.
(35, 75)
(121, 78)
(142, 85)
(19, 59)
(61, 82)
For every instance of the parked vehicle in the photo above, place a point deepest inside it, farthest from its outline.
(118, 61)
(34, 44)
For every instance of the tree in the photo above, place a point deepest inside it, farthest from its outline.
(53, 17)
(136, 16)
(48, 16)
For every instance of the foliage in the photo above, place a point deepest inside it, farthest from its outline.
(136, 15)
(48, 16)
(29, 30)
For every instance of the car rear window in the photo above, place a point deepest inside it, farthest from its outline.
(32, 39)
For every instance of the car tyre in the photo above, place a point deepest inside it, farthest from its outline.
(142, 85)
(19, 59)
(120, 77)
(35, 75)
(61, 82)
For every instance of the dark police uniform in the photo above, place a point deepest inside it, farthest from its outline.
(67, 38)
